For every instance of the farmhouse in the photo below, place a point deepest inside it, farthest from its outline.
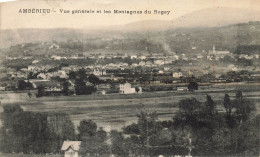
(71, 148)
(126, 89)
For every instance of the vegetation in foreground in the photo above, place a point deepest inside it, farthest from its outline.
(197, 129)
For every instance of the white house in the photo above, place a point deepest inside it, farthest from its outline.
(160, 72)
(99, 72)
(35, 61)
(62, 74)
(42, 76)
(55, 57)
(31, 68)
(71, 148)
(133, 56)
(126, 89)
(182, 89)
(176, 57)
(199, 57)
(134, 65)
(159, 62)
(177, 75)
(141, 63)
(142, 57)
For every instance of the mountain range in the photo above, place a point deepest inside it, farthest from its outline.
(211, 17)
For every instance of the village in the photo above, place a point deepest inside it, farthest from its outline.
(127, 73)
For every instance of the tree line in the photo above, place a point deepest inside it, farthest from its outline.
(198, 129)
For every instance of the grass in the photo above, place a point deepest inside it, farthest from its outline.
(27, 155)
(116, 110)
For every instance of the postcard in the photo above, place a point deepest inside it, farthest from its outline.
(150, 78)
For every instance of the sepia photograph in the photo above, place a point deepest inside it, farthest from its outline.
(129, 78)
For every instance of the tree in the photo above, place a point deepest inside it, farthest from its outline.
(94, 146)
(87, 128)
(132, 129)
(243, 109)
(118, 146)
(9, 111)
(137, 89)
(93, 79)
(65, 88)
(210, 105)
(34, 132)
(80, 87)
(227, 104)
(193, 86)
(40, 91)
(239, 95)
(81, 74)
(72, 75)
(189, 106)
(182, 139)
(102, 134)
(22, 85)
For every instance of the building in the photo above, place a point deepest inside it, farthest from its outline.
(99, 72)
(71, 148)
(177, 75)
(126, 89)
(31, 68)
(133, 56)
(217, 52)
(159, 62)
(142, 57)
(49, 85)
(182, 89)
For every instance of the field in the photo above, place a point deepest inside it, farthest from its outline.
(115, 111)
(27, 155)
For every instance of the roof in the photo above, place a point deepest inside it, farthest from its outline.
(45, 83)
(75, 145)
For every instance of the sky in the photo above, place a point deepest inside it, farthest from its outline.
(10, 18)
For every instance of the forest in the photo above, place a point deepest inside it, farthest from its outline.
(198, 129)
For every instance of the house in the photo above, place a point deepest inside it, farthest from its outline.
(199, 57)
(134, 65)
(160, 72)
(159, 62)
(182, 88)
(133, 56)
(103, 92)
(99, 72)
(42, 76)
(71, 148)
(177, 75)
(176, 57)
(31, 68)
(216, 52)
(55, 57)
(35, 61)
(141, 63)
(62, 74)
(148, 63)
(47, 84)
(126, 89)
(142, 57)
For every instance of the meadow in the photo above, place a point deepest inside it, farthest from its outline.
(114, 111)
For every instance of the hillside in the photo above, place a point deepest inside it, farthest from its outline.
(212, 17)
